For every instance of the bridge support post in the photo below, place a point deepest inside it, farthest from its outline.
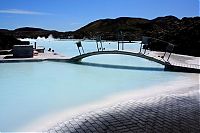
(169, 49)
(169, 57)
(79, 51)
(122, 45)
(145, 50)
(98, 40)
(120, 38)
(140, 48)
(97, 46)
(78, 44)
(101, 46)
(118, 45)
(145, 41)
(83, 50)
(164, 55)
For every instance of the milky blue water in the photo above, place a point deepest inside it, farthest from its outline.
(30, 90)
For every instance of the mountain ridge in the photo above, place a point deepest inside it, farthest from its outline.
(184, 33)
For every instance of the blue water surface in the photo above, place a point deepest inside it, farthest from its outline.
(30, 90)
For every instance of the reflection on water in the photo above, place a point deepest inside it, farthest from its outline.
(121, 67)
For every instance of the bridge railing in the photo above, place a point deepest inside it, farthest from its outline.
(145, 41)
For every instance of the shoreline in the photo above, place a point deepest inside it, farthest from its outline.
(46, 122)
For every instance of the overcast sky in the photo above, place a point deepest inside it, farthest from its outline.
(65, 15)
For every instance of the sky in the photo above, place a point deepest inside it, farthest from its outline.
(70, 15)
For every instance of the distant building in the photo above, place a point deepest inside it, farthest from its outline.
(22, 51)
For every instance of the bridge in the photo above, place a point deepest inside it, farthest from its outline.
(168, 66)
(82, 56)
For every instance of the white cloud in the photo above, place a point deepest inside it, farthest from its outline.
(26, 12)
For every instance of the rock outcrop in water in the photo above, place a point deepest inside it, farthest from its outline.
(183, 33)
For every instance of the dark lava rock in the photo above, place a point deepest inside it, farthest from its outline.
(183, 33)
(7, 42)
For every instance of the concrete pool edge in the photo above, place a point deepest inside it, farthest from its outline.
(31, 60)
(51, 120)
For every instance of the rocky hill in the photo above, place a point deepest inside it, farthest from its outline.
(108, 28)
(183, 33)
(133, 28)
(31, 32)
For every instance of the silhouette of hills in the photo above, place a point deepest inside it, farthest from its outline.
(183, 33)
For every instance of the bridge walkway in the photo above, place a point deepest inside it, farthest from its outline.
(169, 66)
